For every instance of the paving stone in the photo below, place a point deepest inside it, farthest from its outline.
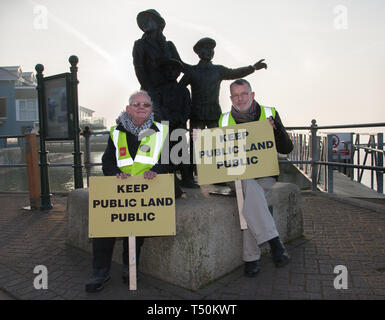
(336, 233)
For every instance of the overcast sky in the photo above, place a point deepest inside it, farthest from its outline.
(325, 57)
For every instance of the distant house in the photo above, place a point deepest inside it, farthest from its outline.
(18, 102)
(19, 112)
(86, 118)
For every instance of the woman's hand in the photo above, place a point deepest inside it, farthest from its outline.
(149, 174)
(122, 175)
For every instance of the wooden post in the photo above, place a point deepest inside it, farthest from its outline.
(132, 262)
(31, 155)
(240, 200)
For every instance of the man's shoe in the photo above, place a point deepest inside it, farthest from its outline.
(278, 252)
(281, 259)
(98, 279)
(252, 268)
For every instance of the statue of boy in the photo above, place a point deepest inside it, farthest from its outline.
(205, 79)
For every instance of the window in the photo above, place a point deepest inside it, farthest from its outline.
(3, 107)
(26, 110)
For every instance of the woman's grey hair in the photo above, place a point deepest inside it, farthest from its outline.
(139, 92)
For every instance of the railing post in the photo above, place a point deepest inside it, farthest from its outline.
(329, 169)
(380, 163)
(314, 154)
(77, 154)
(44, 180)
(300, 151)
(358, 155)
(87, 153)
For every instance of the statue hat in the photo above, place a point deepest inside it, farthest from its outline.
(142, 16)
(204, 42)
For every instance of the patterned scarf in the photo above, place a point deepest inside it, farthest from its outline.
(250, 114)
(125, 120)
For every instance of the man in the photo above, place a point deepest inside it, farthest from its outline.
(261, 225)
(134, 148)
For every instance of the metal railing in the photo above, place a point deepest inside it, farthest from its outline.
(312, 154)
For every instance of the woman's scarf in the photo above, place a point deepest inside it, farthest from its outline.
(250, 114)
(125, 120)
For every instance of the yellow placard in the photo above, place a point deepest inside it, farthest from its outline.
(131, 207)
(243, 151)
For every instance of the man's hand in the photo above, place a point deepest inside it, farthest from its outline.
(122, 175)
(272, 122)
(149, 174)
(260, 65)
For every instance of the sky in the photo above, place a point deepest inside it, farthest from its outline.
(325, 57)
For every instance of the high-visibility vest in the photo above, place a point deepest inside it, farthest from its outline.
(226, 119)
(148, 153)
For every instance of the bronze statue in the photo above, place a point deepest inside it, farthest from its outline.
(151, 49)
(172, 100)
(205, 79)
(172, 103)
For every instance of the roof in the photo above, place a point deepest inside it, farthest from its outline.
(15, 73)
(9, 73)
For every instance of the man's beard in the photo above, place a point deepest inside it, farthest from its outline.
(246, 110)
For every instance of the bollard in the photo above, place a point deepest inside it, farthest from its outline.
(31, 156)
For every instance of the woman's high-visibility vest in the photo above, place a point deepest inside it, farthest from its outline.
(148, 153)
(226, 119)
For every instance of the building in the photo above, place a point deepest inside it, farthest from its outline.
(19, 111)
(86, 118)
(18, 102)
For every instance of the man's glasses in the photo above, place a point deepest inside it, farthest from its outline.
(242, 95)
(141, 104)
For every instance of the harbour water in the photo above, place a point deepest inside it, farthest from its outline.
(60, 178)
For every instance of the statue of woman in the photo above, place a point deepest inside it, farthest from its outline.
(151, 50)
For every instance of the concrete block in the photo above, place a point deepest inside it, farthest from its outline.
(208, 241)
(77, 220)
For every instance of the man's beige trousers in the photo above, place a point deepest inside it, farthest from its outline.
(260, 222)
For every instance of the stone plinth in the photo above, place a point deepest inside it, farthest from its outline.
(208, 241)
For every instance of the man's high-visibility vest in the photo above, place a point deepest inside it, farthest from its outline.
(226, 119)
(148, 153)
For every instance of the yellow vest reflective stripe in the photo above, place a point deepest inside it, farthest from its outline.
(226, 119)
(147, 155)
(123, 157)
(267, 112)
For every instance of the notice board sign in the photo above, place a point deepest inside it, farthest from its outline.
(131, 207)
(58, 113)
(342, 146)
(243, 151)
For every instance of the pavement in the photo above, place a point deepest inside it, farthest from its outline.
(336, 233)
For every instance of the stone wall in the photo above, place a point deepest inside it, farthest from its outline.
(208, 241)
